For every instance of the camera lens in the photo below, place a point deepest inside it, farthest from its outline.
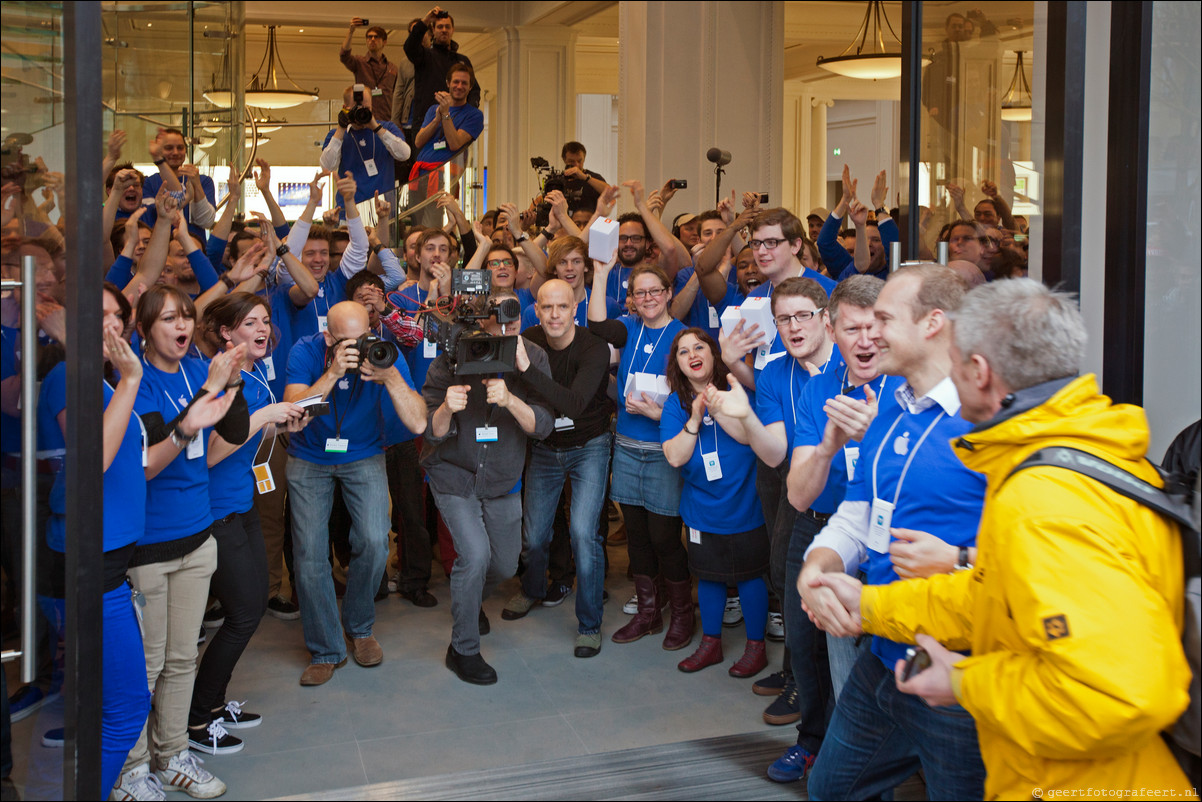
(360, 115)
(382, 354)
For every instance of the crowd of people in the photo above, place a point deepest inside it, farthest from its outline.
(795, 438)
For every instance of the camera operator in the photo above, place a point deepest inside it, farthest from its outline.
(343, 445)
(473, 454)
(583, 187)
(372, 150)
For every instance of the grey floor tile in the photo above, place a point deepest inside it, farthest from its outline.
(253, 775)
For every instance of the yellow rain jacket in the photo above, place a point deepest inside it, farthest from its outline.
(1073, 611)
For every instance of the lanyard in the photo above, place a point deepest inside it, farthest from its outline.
(913, 452)
(355, 142)
(254, 374)
(647, 361)
(186, 383)
(714, 423)
(792, 399)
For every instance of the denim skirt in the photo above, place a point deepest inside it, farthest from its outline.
(643, 478)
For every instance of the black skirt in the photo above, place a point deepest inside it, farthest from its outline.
(730, 558)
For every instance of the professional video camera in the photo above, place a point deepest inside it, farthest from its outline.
(358, 114)
(549, 180)
(454, 325)
(380, 354)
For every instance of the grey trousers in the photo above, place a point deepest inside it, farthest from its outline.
(487, 533)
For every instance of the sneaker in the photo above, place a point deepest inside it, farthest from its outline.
(733, 614)
(236, 718)
(184, 773)
(281, 608)
(770, 685)
(214, 616)
(556, 594)
(776, 627)
(791, 766)
(588, 645)
(214, 740)
(26, 701)
(631, 607)
(138, 784)
(394, 584)
(785, 709)
(54, 738)
(518, 607)
(201, 637)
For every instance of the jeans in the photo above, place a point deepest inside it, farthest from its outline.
(488, 539)
(365, 488)
(880, 736)
(125, 697)
(586, 466)
(176, 592)
(408, 494)
(806, 644)
(842, 654)
(240, 584)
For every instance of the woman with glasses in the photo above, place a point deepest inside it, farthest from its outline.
(567, 260)
(644, 484)
(728, 541)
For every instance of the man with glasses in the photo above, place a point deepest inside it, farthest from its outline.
(377, 74)
(966, 241)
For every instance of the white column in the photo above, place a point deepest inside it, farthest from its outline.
(535, 108)
(818, 154)
(699, 75)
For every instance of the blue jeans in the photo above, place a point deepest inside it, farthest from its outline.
(311, 488)
(842, 654)
(587, 467)
(806, 644)
(880, 736)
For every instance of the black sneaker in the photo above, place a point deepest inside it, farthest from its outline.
(770, 685)
(202, 636)
(283, 609)
(236, 718)
(785, 709)
(54, 739)
(214, 739)
(214, 616)
(556, 593)
(470, 667)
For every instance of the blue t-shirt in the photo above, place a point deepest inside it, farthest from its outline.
(10, 425)
(305, 320)
(778, 392)
(177, 500)
(811, 424)
(275, 364)
(612, 310)
(231, 481)
(50, 435)
(724, 506)
(360, 146)
(151, 187)
(465, 118)
(765, 290)
(354, 413)
(124, 481)
(615, 285)
(646, 351)
(940, 495)
(702, 314)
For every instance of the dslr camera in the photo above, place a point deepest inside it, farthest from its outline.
(454, 325)
(358, 114)
(549, 180)
(380, 354)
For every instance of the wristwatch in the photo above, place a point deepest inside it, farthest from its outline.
(376, 129)
(227, 281)
(283, 249)
(880, 210)
(962, 563)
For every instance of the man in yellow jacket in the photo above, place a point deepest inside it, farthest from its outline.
(1073, 610)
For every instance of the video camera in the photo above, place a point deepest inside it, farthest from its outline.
(358, 114)
(380, 354)
(549, 180)
(455, 327)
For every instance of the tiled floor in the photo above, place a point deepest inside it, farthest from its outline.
(411, 717)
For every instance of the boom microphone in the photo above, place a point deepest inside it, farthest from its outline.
(718, 156)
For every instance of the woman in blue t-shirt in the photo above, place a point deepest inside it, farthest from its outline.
(644, 484)
(180, 397)
(728, 542)
(235, 473)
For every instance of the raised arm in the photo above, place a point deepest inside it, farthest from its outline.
(675, 253)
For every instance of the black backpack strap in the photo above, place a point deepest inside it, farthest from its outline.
(1117, 479)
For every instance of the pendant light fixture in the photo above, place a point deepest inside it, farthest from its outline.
(1016, 103)
(866, 57)
(264, 92)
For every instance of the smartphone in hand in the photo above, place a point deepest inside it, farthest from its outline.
(917, 661)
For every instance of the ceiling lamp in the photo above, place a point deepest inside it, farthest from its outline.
(205, 141)
(1016, 104)
(265, 93)
(265, 124)
(869, 60)
(251, 142)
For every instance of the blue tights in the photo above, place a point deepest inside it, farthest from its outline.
(753, 596)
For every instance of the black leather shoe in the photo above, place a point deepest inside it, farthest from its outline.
(485, 626)
(470, 667)
(420, 597)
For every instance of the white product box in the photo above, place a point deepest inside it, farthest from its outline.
(730, 318)
(654, 385)
(758, 311)
(603, 239)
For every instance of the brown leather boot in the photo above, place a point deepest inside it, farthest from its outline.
(647, 621)
(708, 653)
(682, 625)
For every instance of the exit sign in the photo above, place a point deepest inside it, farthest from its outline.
(837, 151)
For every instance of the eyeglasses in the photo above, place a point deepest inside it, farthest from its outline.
(769, 244)
(641, 294)
(798, 317)
(500, 263)
(636, 239)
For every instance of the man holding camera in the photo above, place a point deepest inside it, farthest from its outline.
(377, 74)
(431, 61)
(364, 147)
(583, 187)
(344, 443)
(473, 453)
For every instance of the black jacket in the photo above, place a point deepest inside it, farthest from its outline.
(430, 65)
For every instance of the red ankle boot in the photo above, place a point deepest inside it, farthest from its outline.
(682, 623)
(707, 654)
(753, 661)
(648, 620)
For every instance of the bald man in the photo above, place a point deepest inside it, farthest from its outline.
(343, 442)
(577, 451)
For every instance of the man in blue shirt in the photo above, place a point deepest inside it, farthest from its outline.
(343, 444)
(168, 151)
(891, 520)
(367, 151)
(451, 124)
